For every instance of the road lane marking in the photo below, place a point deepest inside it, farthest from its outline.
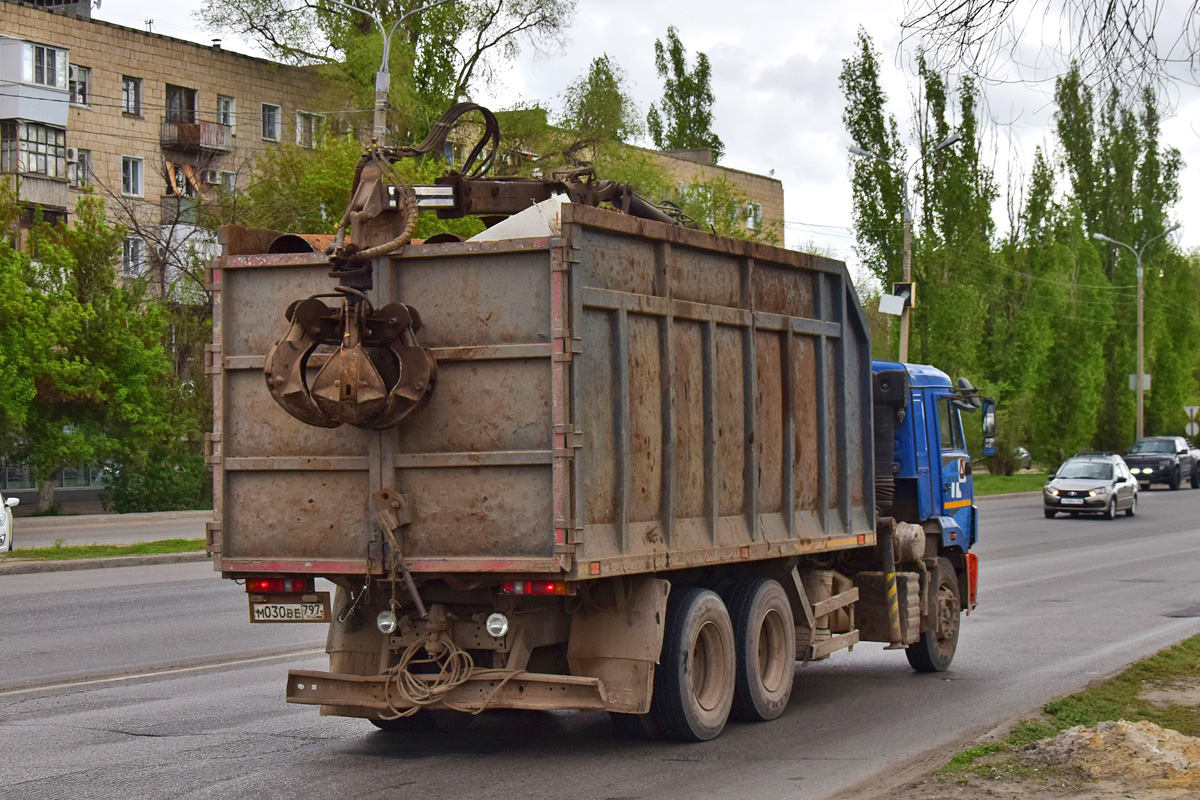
(50, 687)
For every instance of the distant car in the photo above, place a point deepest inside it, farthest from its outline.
(1094, 484)
(1163, 459)
(6, 521)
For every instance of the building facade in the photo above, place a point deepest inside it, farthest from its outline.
(152, 124)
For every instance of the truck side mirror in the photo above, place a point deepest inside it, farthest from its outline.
(989, 426)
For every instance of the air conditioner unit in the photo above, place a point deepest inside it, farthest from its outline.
(72, 155)
(210, 176)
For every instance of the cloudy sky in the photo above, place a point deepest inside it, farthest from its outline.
(775, 77)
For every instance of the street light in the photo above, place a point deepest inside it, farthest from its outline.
(954, 137)
(383, 78)
(1138, 379)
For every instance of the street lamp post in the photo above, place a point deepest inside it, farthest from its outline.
(383, 78)
(954, 136)
(1138, 380)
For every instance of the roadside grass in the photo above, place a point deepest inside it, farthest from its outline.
(64, 552)
(1116, 698)
(1006, 484)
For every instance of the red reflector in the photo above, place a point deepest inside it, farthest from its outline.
(542, 588)
(972, 577)
(294, 584)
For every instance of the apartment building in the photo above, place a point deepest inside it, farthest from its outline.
(155, 125)
(762, 209)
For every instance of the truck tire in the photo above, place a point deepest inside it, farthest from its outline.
(765, 649)
(1176, 479)
(1194, 480)
(694, 681)
(934, 651)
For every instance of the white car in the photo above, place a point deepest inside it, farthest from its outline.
(6, 521)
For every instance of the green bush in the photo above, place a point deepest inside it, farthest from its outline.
(165, 482)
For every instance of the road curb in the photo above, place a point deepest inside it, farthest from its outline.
(27, 567)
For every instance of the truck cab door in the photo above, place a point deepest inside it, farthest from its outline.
(954, 493)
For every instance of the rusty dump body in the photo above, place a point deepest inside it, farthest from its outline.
(628, 397)
(600, 438)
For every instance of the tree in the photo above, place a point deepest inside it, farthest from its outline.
(598, 110)
(96, 361)
(878, 209)
(682, 120)
(1113, 44)
(437, 57)
(305, 190)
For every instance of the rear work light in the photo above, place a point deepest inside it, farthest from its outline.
(542, 588)
(294, 584)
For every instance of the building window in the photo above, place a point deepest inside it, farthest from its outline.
(270, 122)
(229, 181)
(132, 176)
(34, 149)
(80, 85)
(753, 216)
(133, 257)
(308, 129)
(45, 66)
(131, 95)
(226, 111)
(181, 104)
(79, 172)
(183, 184)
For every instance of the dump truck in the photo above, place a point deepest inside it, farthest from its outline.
(607, 461)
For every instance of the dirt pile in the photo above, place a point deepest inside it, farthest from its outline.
(1134, 753)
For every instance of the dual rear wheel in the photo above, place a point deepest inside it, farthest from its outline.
(719, 660)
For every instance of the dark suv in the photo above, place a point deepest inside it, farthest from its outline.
(1163, 459)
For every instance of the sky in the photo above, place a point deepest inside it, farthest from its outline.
(778, 107)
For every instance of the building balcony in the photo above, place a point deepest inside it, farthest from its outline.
(197, 137)
(39, 190)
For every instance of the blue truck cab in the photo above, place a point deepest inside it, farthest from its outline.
(920, 441)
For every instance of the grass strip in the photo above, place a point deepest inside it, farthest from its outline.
(1116, 698)
(65, 552)
(1006, 484)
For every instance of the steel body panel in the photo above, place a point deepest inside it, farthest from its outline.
(627, 397)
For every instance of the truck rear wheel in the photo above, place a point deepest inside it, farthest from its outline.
(765, 648)
(694, 681)
(934, 651)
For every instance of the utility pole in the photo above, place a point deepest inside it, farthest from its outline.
(954, 136)
(1139, 379)
(383, 78)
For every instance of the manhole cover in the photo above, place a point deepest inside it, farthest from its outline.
(1188, 611)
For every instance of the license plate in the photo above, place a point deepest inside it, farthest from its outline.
(312, 607)
(1072, 501)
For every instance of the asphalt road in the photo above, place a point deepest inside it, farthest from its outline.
(109, 528)
(1062, 602)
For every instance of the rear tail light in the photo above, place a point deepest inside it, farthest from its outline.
(534, 587)
(291, 584)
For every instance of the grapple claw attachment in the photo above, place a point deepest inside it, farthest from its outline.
(376, 377)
